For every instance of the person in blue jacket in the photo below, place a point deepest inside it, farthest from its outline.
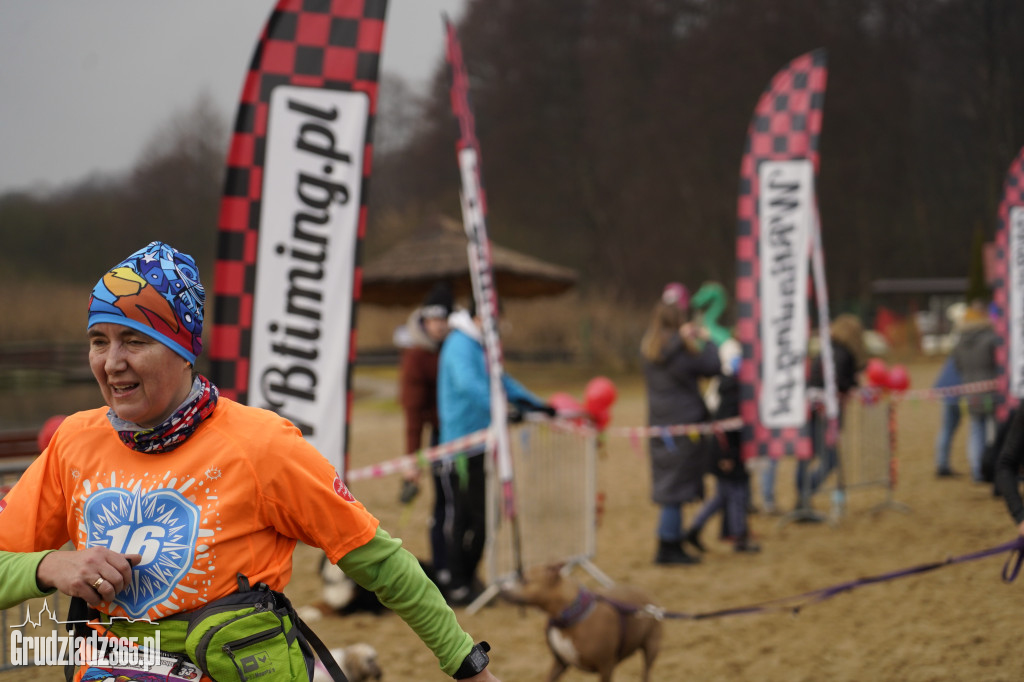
(464, 407)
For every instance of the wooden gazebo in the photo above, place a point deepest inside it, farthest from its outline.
(436, 252)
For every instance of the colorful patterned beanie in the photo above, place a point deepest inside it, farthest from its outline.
(156, 291)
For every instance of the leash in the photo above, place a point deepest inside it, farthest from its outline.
(794, 604)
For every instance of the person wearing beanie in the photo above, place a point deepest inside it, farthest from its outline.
(420, 340)
(676, 294)
(171, 492)
(676, 355)
(464, 407)
(421, 337)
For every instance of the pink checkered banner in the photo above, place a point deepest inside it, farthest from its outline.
(293, 214)
(1008, 288)
(777, 233)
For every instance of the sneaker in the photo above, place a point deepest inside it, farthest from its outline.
(945, 472)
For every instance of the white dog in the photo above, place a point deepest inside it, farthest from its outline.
(357, 661)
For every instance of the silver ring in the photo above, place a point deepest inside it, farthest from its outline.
(96, 585)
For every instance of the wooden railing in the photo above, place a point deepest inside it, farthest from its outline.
(69, 361)
(18, 444)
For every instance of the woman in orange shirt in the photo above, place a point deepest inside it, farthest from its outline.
(172, 490)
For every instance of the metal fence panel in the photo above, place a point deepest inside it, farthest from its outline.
(555, 491)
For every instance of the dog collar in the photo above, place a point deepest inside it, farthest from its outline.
(576, 611)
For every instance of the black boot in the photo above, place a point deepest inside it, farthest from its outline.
(673, 553)
(693, 537)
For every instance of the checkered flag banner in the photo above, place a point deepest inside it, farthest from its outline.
(293, 214)
(474, 218)
(777, 228)
(1008, 289)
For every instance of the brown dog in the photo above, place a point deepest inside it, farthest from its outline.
(590, 630)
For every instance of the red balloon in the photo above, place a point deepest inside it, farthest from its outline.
(898, 379)
(878, 374)
(47, 430)
(599, 395)
(601, 418)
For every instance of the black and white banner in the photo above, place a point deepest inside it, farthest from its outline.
(293, 214)
(300, 332)
(1015, 362)
(786, 210)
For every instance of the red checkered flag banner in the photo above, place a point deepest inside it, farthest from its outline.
(293, 214)
(474, 217)
(1008, 289)
(778, 238)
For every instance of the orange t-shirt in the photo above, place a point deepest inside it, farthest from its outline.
(234, 498)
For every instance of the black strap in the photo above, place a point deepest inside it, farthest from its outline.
(79, 613)
(322, 652)
(243, 582)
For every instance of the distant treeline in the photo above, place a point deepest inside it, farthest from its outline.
(611, 134)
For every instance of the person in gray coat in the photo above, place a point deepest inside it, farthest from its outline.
(676, 354)
(975, 358)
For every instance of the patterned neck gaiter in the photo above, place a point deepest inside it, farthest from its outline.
(174, 430)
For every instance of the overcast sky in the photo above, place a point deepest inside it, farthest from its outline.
(85, 84)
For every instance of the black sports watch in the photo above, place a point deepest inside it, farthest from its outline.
(475, 662)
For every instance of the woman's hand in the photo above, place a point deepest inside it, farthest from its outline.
(1020, 528)
(483, 676)
(691, 331)
(694, 336)
(95, 574)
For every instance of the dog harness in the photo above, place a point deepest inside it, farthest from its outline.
(582, 606)
(579, 609)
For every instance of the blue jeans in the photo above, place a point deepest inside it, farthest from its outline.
(977, 439)
(731, 497)
(944, 442)
(768, 482)
(808, 482)
(670, 523)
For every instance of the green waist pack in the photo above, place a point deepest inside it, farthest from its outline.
(254, 634)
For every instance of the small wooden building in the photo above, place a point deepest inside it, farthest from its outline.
(436, 251)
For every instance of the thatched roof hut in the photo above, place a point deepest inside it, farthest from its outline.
(436, 252)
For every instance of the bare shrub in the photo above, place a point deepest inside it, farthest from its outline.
(594, 330)
(42, 310)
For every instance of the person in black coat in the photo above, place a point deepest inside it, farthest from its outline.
(676, 355)
(1008, 469)
(849, 358)
(732, 491)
